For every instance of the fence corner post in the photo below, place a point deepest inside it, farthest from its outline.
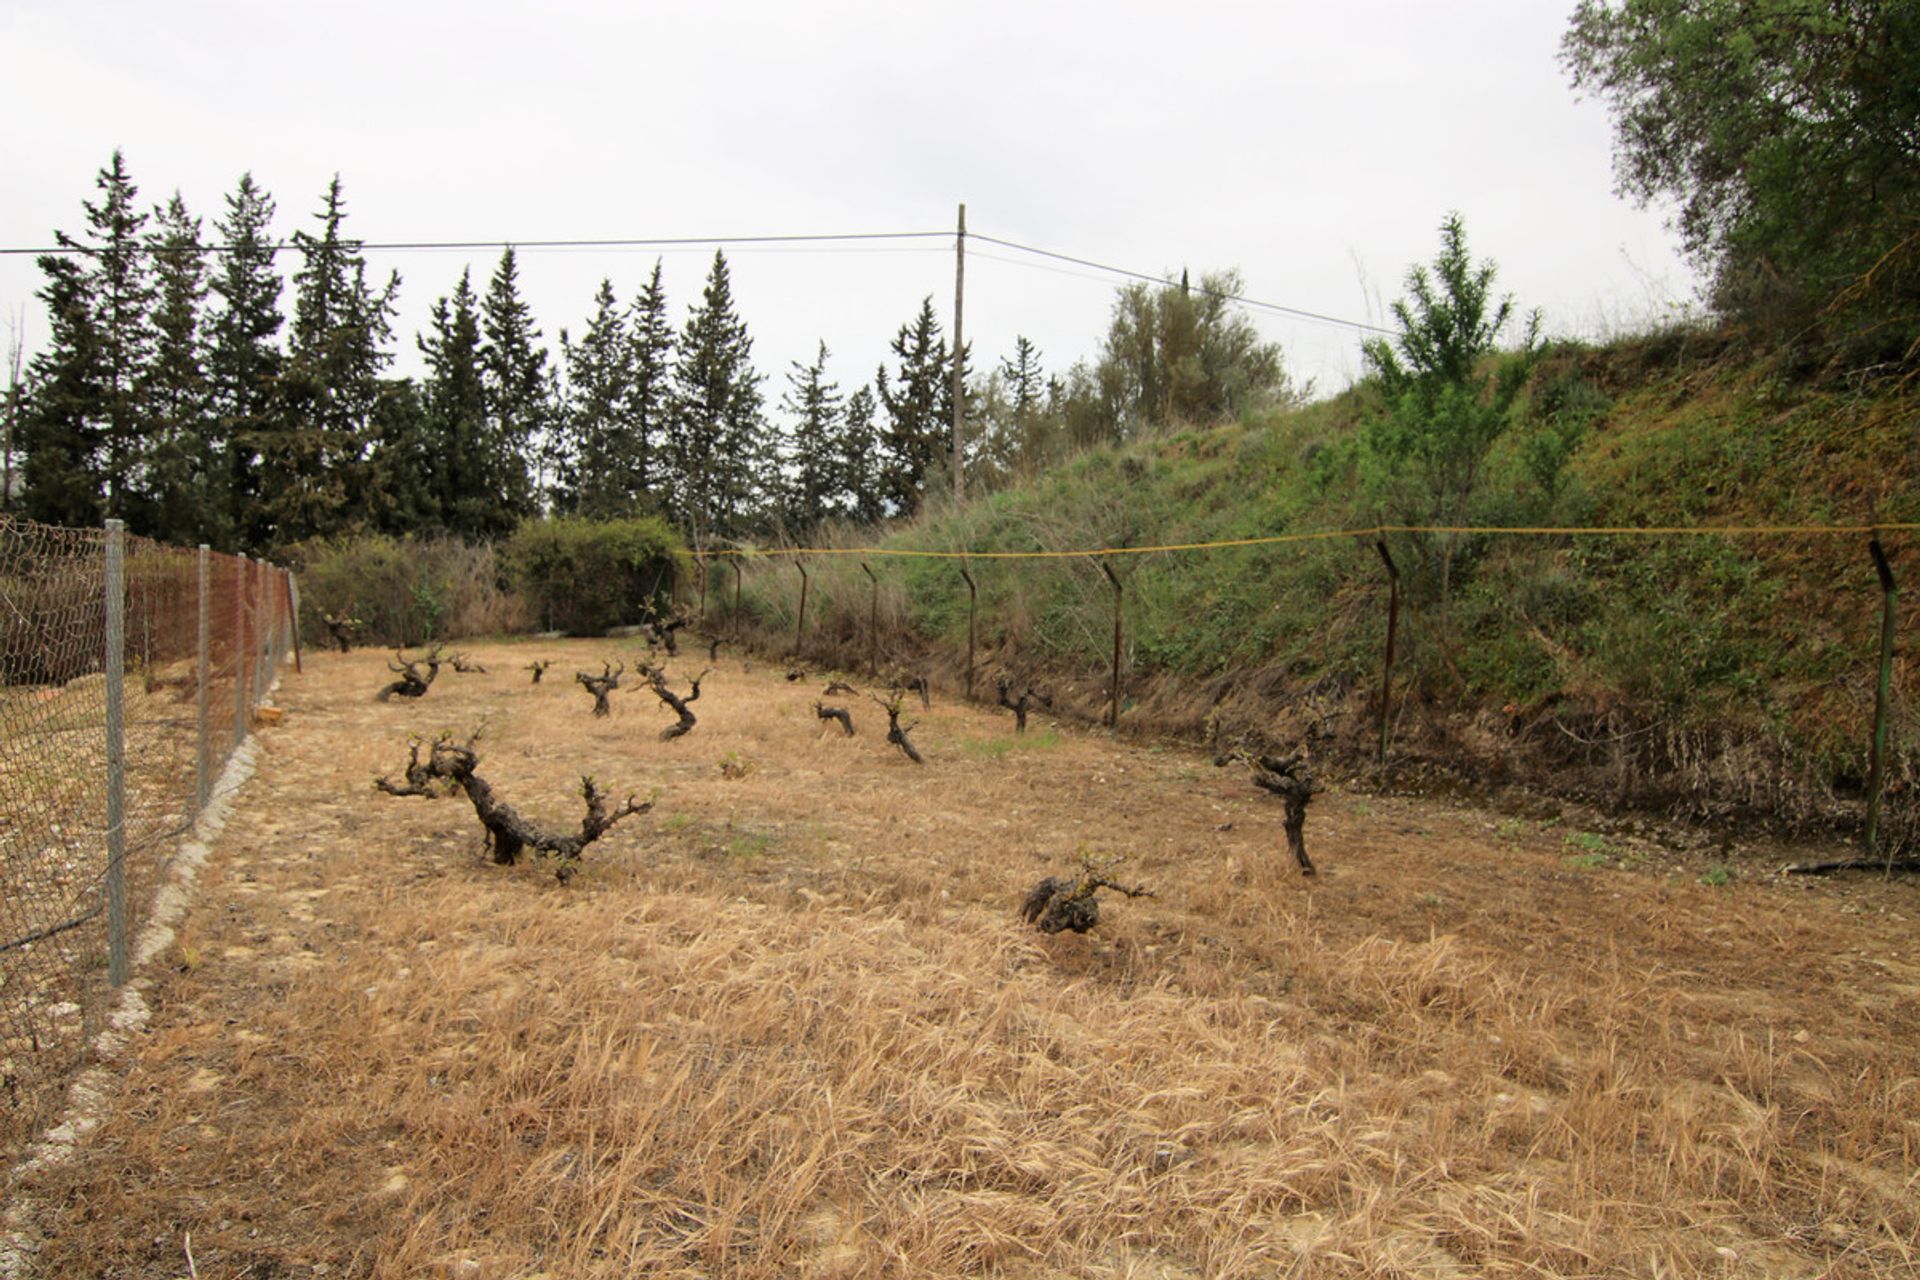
(200, 684)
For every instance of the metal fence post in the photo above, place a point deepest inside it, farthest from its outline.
(800, 627)
(239, 651)
(1876, 772)
(293, 616)
(1393, 627)
(873, 623)
(973, 600)
(200, 689)
(116, 753)
(1113, 709)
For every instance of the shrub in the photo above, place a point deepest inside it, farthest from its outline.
(404, 591)
(583, 576)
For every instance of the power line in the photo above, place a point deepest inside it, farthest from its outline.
(1150, 278)
(631, 242)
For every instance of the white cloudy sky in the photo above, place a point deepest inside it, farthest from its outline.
(1314, 146)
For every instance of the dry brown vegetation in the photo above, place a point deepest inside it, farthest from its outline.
(791, 1024)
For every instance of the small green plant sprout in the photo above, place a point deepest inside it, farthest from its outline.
(1717, 876)
(1510, 828)
(1589, 850)
(1056, 904)
(732, 766)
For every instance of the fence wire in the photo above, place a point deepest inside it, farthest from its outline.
(182, 719)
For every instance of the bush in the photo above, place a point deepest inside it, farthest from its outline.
(584, 576)
(404, 591)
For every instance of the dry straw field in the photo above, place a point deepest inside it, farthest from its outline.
(789, 1022)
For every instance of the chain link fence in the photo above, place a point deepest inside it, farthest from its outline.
(129, 672)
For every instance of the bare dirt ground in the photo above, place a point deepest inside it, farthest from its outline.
(790, 1024)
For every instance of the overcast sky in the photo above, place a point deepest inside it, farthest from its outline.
(1314, 146)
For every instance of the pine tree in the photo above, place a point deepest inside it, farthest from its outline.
(181, 491)
(591, 465)
(315, 461)
(919, 412)
(719, 437)
(244, 362)
(514, 374)
(815, 463)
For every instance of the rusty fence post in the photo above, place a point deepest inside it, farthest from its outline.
(973, 600)
(1876, 771)
(1113, 704)
(738, 574)
(873, 623)
(1393, 628)
(800, 626)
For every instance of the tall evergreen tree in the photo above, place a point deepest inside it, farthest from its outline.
(859, 457)
(123, 295)
(244, 361)
(85, 431)
(1025, 443)
(918, 402)
(719, 435)
(513, 368)
(591, 467)
(815, 465)
(316, 458)
(63, 431)
(650, 395)
(181, 492)
(466, 482)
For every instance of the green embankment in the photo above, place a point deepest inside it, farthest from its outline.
(1720, 670)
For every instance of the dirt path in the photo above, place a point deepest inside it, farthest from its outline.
(789, 1024)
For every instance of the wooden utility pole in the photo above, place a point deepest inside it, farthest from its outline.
(959, 346)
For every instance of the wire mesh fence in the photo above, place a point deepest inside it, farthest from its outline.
(129, 671)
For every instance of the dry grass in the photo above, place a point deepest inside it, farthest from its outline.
(789, 1024)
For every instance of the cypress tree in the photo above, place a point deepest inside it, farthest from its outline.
(814, 454)
(594, 454)
(858, 495)
(63, 432)
(464, 463)
(181, 489)
(514, 389)
(85, 430)
(650, 395)
(315, 480)
(719, 433)
(244, 362)
(919, 414)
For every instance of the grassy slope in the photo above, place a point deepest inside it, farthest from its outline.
(1737, 669)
